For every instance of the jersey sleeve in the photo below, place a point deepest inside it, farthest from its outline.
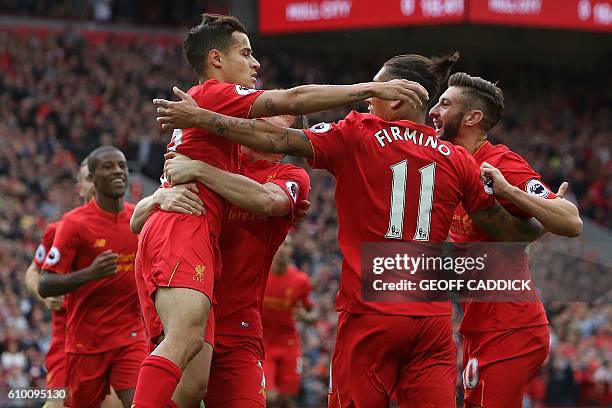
(520, 174)
(64, 249)
(227, 99)
(45, 244)
(331, 142)
(476, 195)
(296, 184)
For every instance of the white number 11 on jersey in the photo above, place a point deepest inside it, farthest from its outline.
(398, 201)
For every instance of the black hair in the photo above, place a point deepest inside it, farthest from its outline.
(93, 157)
(214, 32)
(431, 73)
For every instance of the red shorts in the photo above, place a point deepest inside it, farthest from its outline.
(90, 376)
(178, 251)
(378, 355)
(55, 361)
(499, 365)
(236, 374)
(153, 323)
(283, 368)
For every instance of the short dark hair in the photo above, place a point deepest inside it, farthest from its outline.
(483, 95)
(214, 32)
(431, 73)
(93, 157)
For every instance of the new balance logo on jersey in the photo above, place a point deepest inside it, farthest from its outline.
(293, 189)
(536, 187)
(100, 243)
(54, 256)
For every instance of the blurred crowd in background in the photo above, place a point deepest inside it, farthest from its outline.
(124, 11)
(61, 96)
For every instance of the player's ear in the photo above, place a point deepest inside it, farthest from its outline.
(214, 58)
(395, 105)
(473, 117)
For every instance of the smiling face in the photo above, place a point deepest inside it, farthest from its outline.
(237, 63)
(110, 174)
(448, 114)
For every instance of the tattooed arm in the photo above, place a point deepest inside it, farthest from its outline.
(502, 226)
(314, 98)
(256, 134)
(295, 101)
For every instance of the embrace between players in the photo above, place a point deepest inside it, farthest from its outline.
(208, 236)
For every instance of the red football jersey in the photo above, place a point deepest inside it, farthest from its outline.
(283, 293)
(395, 182)
(105, 313)
(492, 316)
(58, 317)
(198, 144)
(248, 244)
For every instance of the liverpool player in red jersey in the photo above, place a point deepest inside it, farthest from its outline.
(382, 347)
(92, 259)
(180, 272)
(287, 292)
(265, 200)
(505, 343)
(55, 360)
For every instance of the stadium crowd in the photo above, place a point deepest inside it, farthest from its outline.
(61, 95)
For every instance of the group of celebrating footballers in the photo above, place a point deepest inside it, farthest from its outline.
(173, 316)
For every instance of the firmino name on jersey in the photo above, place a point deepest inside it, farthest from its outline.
(392, 134)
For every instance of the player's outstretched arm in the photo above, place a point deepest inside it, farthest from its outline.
(256, 134)
(559, 216)
(306, 99)
(499, 224)
(181, 199)
(55, 284)
(264, 199)
(295, 101)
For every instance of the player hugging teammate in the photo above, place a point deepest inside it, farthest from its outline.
(209, 234)
(397, 348)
